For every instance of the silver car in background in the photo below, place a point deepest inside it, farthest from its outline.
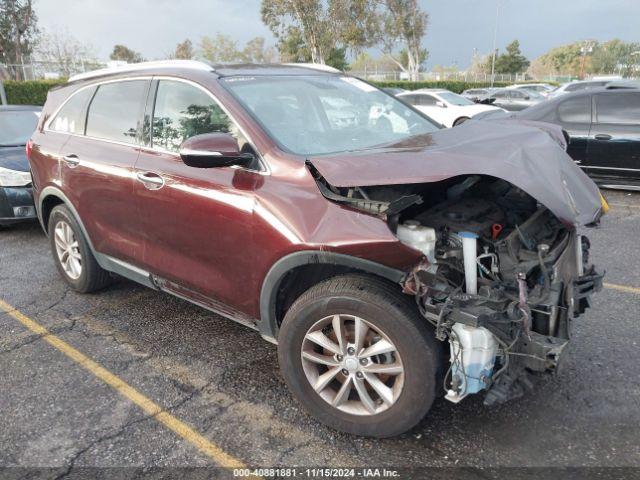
(513, 99)
(543, 89)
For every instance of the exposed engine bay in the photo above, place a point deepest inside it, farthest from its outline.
(501, 279)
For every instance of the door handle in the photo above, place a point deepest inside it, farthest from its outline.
(603, 136)
(71, 160)
(151, 180)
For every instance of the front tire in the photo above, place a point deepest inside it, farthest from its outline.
(71, 253)
(356, 353)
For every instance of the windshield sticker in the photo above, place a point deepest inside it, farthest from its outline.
(365, 87)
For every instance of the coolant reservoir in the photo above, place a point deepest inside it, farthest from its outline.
(473, 354)
(419, 237)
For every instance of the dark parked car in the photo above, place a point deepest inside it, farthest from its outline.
(578, 86)
(476, 94)
(604, 127)
(512, 99)
(360, 247)
(394, 90)
(17, 123)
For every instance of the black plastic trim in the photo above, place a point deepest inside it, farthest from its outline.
(268, 324)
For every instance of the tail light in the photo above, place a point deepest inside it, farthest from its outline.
(28, 149)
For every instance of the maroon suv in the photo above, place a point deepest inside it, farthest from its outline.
(336, 220)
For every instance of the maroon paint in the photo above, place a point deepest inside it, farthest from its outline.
(215, 231)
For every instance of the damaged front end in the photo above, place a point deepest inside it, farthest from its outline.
(502, 278)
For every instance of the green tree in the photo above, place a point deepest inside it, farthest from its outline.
(292, 47)
(338, 58)
(18, 31)
(125, 54)
(616, 56)
(184, 50)
(402, 22)
(220, 48)
(317, 27)
(512, 61)
(63, 52)
(563, 60)
(365, 62)
(256, 51)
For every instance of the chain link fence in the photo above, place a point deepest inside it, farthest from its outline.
(35, 70)
(38, 70)
(439, 76)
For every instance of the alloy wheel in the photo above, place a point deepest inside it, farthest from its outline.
(68, 250)
(352, 365)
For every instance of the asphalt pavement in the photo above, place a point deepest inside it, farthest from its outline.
(220, 381)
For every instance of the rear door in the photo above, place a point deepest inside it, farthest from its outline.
(97, 167)
(197, 222)
(614, 141)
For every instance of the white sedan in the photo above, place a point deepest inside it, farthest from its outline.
(443, 106)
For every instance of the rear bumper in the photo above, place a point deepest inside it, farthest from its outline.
(16, 205)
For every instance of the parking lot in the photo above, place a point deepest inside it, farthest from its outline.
(132, 377)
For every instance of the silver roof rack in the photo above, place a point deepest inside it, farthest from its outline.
(314, 66)
(136, 67)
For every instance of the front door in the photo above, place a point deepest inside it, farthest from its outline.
(197, 222)
(97, 166)
(613, 150)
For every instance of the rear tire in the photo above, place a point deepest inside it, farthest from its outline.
(390, 317)
(72, 255)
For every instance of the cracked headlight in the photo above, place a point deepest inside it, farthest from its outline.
(14, 178)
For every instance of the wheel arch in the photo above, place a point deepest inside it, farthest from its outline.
(293, 274)
(49, 198)
(457, 121)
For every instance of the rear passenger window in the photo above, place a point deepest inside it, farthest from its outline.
(426, 100)
(183, 111)
(575, 110)
(116, 109)
(618, 108)
(71, 117)
(410, 99)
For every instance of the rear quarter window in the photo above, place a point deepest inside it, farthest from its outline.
(575, 110)
(72, 116)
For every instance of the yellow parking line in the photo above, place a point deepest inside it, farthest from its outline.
(622, 288)
(211, 450)
(623, 205)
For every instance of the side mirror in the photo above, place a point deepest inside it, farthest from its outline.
(441, 104)
(213, 150)
(527, 97)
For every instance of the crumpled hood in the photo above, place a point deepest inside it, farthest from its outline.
(14, 158)
(530, 156)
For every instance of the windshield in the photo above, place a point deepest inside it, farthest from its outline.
(314, 115)
(455, 99)
(16, 127)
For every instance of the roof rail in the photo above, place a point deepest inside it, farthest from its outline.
(315, 66)
(136, 67)
(622, 84)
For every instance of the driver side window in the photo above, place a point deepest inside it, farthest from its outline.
(182, 111)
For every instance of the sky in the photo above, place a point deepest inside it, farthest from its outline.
(154, 27)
